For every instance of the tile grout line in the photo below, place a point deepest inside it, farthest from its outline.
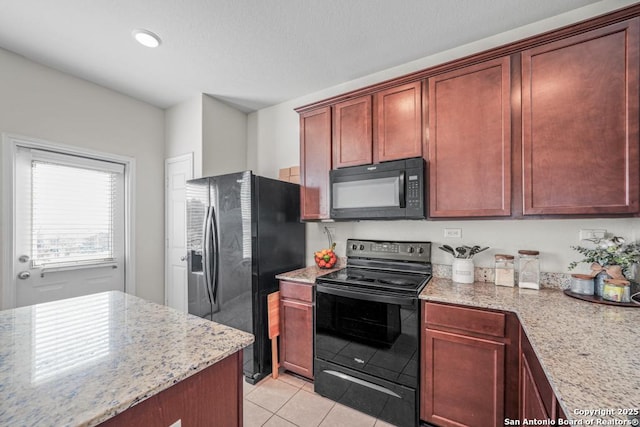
(280, 407)
(299, 389)
(283, 405)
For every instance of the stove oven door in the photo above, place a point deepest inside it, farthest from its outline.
(367, 352)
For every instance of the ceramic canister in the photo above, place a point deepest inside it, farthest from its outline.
(462, 270)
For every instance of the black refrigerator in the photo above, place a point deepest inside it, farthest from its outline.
(242, 230)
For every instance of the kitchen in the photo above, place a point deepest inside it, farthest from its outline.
(55, 100)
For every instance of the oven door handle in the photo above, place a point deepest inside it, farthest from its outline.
(364, 383)
(365, 296)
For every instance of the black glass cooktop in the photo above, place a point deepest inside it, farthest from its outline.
(390, 281)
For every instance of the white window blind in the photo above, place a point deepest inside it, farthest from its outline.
(73, 206)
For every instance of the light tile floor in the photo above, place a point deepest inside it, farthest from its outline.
(289, 401)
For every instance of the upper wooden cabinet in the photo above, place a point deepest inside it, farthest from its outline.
(580, 123)
(548, 125)
(315, 163)
(397, 131)
(470, 141)
(352, 133)
(386, 127)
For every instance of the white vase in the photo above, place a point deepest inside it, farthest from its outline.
(462, 270)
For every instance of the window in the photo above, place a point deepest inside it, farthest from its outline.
(74, 204)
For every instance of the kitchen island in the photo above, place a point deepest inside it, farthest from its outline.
(589, 352)
(83, 361)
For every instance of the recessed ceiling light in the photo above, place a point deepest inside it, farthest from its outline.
(146, 38)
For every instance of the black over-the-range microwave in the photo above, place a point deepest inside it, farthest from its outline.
(390, 190)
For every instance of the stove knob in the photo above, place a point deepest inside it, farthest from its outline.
(354, 246)
(420, 250)
(362, 247)
(411, 249)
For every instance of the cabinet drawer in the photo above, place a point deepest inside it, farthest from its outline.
(465, 319)
(296, 290)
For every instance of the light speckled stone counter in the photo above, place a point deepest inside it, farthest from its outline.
(80, 361)
(590, 352)
(309, 274)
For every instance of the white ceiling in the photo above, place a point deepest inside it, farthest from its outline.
(250, 53)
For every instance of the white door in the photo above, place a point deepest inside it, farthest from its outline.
(177, 171)
(68, 226)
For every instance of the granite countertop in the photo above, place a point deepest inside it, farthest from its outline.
(590, 352)
(309, 274)
(81, 361)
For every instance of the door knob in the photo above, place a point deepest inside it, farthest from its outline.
(184, 257)
(23, 258)
(24, 275)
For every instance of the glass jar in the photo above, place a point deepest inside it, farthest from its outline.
(504, 274)
(529, 269)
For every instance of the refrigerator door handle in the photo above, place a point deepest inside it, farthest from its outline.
(215, 256)
(206, 258)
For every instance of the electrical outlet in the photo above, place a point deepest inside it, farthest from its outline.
(487, 274)
(455, 233)
(590, 234)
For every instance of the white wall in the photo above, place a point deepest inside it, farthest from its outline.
(552, 237)
(39, 102)
(274, 143)
(183, 131)
(224, 138)
(214, 132)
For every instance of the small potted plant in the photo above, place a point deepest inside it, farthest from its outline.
(611, 258)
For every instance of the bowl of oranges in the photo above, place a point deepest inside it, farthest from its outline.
(326, 258)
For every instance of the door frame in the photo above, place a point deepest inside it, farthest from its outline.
(188, 157)
(10, 144)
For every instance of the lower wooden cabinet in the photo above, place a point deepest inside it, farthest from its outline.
(296, 327)
(212, 397)
(537, 399)
(479, 369)
(469, 366)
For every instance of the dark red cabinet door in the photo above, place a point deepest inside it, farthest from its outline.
(352, 133)
(398, 123)
(580, 123)
(470, 141)
(315, 163)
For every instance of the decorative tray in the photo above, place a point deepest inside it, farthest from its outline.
(600, 300)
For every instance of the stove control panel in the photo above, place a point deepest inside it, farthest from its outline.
(378, 249)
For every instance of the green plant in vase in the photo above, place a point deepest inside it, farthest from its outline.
(611, 258)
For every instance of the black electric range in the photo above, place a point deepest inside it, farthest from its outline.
(367, 329)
